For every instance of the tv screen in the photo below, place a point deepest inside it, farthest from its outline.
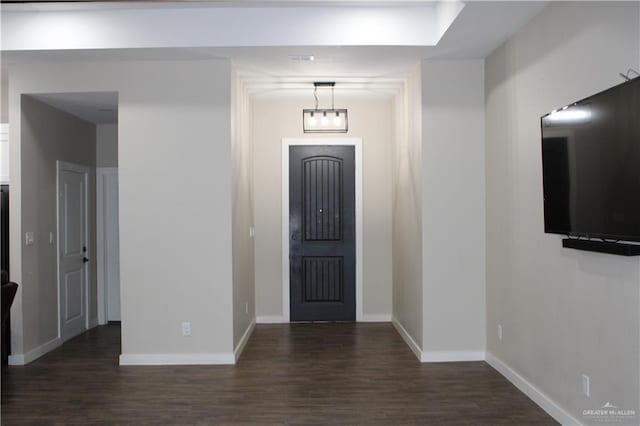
(591, 166)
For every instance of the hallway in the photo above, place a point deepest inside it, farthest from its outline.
(288, 374)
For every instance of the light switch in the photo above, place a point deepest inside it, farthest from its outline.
(50, 237)
(29, 239)
(586, 385)
(186, 329)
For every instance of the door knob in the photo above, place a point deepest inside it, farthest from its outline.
(85, 260)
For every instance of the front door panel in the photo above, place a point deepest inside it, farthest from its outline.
(322, 228)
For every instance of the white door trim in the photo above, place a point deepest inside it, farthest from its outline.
(102, 272)
(4, 154)
(60, 165)
(286, 143)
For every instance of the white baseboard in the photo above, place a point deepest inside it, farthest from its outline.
(452, 356)
(436, 356)
(278, 319)
(407, 338)
(537, 396)
(243, 341)
(33, 354)
(270, 319)
(177, 359)
(376, 318)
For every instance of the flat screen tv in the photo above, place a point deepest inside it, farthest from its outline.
(591, 166)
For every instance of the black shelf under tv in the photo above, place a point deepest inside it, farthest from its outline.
(620, 249)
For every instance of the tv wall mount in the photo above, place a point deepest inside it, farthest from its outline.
(610, 247)
(629, 71)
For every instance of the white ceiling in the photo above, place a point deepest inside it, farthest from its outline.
(174, 25)
(477, 30)
(95, 107)
(47, 5)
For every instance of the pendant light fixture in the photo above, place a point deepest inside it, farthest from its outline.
(324, 120)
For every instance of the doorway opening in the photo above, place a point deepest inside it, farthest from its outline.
(64, 149)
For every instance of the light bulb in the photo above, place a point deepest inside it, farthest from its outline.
(337, 119)
(312, 120)
(325, 120)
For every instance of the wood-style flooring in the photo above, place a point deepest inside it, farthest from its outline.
(293, 374)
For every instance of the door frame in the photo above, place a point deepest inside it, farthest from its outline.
(101, 241)
(64, 165)
(4, 154)
(357, 144)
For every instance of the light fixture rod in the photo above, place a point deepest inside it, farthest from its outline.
(317, 84)
(315, 95)
(332, 106)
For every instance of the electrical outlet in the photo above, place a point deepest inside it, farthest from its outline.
(246, 307)
(586, 385)
(29, 238)
(499, 331)
(186, 329)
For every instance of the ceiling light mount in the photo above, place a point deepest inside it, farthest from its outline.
(327, 120)
(324, 84)
(302, 58)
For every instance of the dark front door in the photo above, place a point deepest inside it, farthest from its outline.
(322, 236)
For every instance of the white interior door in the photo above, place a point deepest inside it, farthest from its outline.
(108, 244)
(72, 248)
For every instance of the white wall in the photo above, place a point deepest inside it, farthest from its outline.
(453, 211)
(49, 135)
(370, 118)
(564, 312)
(407, 211)
(4, 98)
(107, 145)
(175, 200)
(242, 193)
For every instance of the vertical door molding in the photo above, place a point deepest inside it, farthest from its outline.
(4, 154)
(107, 236)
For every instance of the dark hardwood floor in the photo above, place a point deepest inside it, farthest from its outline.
(316, 374)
